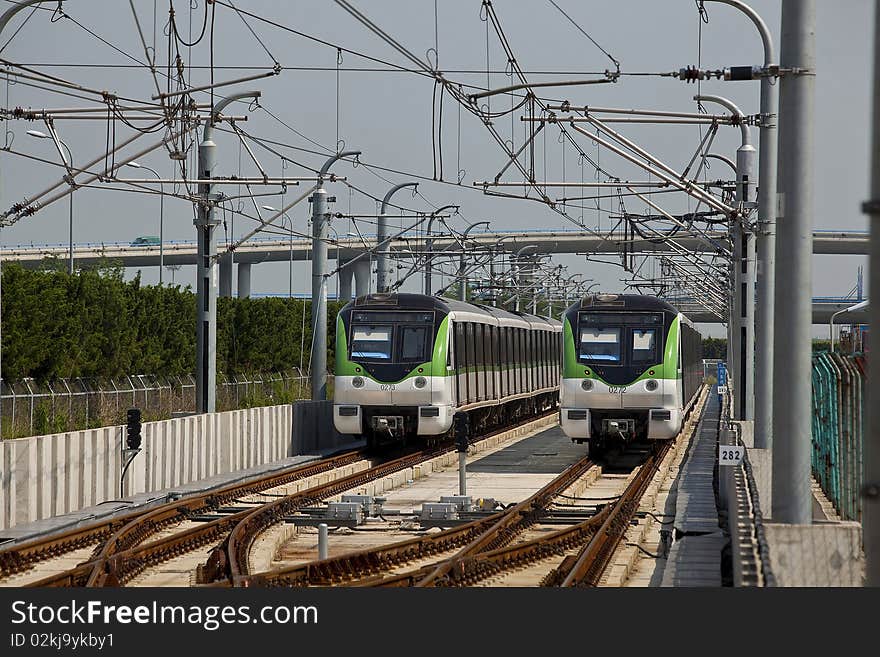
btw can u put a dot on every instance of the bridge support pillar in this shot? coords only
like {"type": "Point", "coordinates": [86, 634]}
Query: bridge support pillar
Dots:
{"type": "Point", "coordinates": [226, 275]}
{"type": "Point", "coordinates": [344, 274]}
{"type": "Point", "coordinates": [362, 275]}
{"type": "Point", "coordinates": [244, 280]}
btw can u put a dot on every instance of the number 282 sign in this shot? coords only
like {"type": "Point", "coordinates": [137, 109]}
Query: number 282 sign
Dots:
{"type": "Point", "coordinates": [730, 454]}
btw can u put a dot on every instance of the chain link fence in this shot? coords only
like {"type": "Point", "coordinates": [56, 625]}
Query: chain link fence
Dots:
{"type": "Point", "coordinates": [31, 408]}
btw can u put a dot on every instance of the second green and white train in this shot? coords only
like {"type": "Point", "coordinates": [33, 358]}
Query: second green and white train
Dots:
{"type": "Point", "coordinates": [631, 369]}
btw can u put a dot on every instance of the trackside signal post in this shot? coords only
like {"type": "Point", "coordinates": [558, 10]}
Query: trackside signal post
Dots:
{"type": "Point", "coordinates": [132, 443]}
{"type": "Point", "coordinates": [461, 429]}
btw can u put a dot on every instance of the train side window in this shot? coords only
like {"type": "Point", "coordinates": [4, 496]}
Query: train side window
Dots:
{"type": "Point", "coordinates": [459, 343]}
{"type": "Point", "coordinates": [450, 346]}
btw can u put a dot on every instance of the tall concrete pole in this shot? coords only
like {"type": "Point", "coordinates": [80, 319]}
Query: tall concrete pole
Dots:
{"type": "Point", "coordinates": [383, 266]}
{"type": "Point", "coordinates": [462, 278]}
{"type": "Point", "coordinates": [320, 216]}
{"type": "Point", "coordinates": [206, 266]}
{"type": "Point", "coordinates": [429, 247]}
{"type": "Point", "coordinates": [4, 21]}
{"type": "Point", "coordinates": [792, 501]}
{"type": "Point", "coordinates": [871, 488]}
{"type": "Point", "coordinates": [766, 237]}
{"type": "Point", "coordinates": [518, 280]}
{"type": "Point", "coordinates": [744, 269]}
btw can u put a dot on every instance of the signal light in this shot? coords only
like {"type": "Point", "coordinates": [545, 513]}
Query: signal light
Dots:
{"type": "Point", "coordinates": [133, 428]}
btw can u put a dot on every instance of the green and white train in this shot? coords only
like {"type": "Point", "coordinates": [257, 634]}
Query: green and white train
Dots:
{"type": "Point", "coordinates": [632, 366]}
{"type": "Point", "coordinates": [407, 363]}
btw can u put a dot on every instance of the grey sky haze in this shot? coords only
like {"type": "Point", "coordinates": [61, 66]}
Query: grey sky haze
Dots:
{"type": "Point", "coordinates": [387, 115]}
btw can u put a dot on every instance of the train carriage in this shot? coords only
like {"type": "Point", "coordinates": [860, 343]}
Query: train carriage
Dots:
{"type": "Point", "coordinates": [407, 363]}
{"type": "Point", "coordinates": [632, 366]}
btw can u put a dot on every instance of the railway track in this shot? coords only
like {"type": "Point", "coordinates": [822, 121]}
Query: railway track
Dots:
{"type": "Point", "coordinates": [517, 546]}
{"type": "Point", "coordinates": [229, 562]}
{"type": "Point", "coordinates": [69, 555]}
{"type": "Point", "coordinates": [117, 552]}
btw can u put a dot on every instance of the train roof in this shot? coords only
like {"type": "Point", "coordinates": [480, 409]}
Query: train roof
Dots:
{"type": "Point", "coordinates": [616, 302]}
{"type": "Point", "coordinates": [410, 301]}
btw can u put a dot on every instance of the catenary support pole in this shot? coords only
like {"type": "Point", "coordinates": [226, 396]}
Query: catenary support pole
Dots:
{"type": "Point", "coordinates": [765, 237]}
{"type": "Point", "coordinates": [743, 315]}
{"type": "Point", "coordinates": [320, 217]}
{"type": "Point", "coordinates": [429, 248]}
{"type": "Point", "coordinates": [462, 269]}
{"type": "Point", "coordinates": [383, 262]}
{"type": "Point", "coordinates": [792, 501]}
{"type": "Point", "coordinates": [4, 21]}
{"type": "Point", "coordinates": [871, 489]}
{"type": "Point", "coordinates": [206, 265]}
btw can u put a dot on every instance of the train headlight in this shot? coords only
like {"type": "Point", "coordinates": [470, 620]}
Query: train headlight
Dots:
{"type": "Point", "coordinates": [358, 382]}
{"type": "Point", "coordinates": [587, 385]}
{"type": "Point", "coordinates": [420, 382]}
{"type": "Point", "coordinates": [651, 385]}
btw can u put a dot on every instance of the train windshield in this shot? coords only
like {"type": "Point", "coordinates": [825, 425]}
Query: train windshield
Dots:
{"type": "Point", "coordinates": [600, 344]}
{"type": "Point", "coordinates": [631, 339]}
{"type": "Point", "coordinates": [644, 346]}
{"type": "Point", "coordinates": [392, 337]}
{"type": "Point", "coordinates": [373, 342]}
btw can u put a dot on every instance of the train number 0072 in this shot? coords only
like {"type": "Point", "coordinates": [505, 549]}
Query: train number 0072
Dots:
{"type": "Point", "coordinates": [615, 390]}
{"type": "Point", "coordinates": [388, 386]}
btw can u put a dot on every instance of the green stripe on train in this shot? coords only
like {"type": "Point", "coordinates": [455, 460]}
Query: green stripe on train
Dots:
{"type": "Point", "coordinates": [668, 369]}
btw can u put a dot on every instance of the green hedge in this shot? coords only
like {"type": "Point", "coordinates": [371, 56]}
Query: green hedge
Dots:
{"type": "Point", "coordinates": [94, 323]}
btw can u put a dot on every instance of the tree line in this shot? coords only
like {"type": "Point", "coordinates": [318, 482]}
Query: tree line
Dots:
{"type": "Point", "coordinates": [96, 324]}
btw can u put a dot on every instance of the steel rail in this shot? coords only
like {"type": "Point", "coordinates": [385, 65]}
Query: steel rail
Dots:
{"type": "Point", "coordinates": [120, 530]}
{"type": "Point", "coordinates": [476, 536]}
{"type": "Point", "coordinates": [232, 558]}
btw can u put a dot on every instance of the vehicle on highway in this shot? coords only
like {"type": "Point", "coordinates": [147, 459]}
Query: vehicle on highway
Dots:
{"type": "Point", "coordinates": [145, 240]}
{"type": "Point", "coordinates": [406, 364]}
{"type": "Point", "coordinates": [631, 368]}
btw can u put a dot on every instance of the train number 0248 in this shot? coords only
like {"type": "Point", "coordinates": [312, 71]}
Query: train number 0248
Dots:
{"type": "Point", "coordinates": [614, 390]}
{"type": "Point", "coordinates": [388, 386]}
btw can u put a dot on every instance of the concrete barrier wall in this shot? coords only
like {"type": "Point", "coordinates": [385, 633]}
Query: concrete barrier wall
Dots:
{"type": "Point", "coordinates": [45, 476]}
{"type": "Point", "coordinates": [313, 428]}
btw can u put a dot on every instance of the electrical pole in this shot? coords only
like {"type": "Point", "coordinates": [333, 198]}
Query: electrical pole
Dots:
{"type": "Point", "coordinates": [320, 216]}
{"type": "Point", "coordinates": [792, 368]}
{"type": "Point", "coordinates": [383, 269]}
{"type": "Point", "coordinates": [429, 247]}
{"type": "Point", "coordinates": [742, 315]}
{"type": "Point", "coordinates": [462, 277]}
{"type": "Point", "coordinates": [765, 235]}
{"type": "Point", "coordinates": [871, 488]}
{"type": "Point", "coordinates": [518, 279]}
{"type": "Point", "coordinates": [206, 265]}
